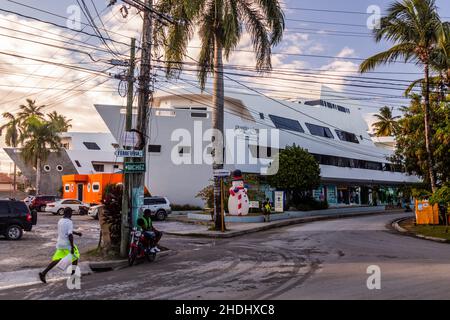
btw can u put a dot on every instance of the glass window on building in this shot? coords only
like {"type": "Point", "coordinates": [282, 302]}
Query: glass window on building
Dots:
{"type": "Point", "coordinates": [331, 194]}
{"type": "Point", "coordinates": [343, 195]}
{"type": "Point", "coordinates": [355, 195]}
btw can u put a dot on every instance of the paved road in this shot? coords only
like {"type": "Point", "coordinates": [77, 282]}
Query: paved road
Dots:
{"type": "Point", "coordinates": [37, 247]}
{"type": "Point", "coordinates": [321, 260]}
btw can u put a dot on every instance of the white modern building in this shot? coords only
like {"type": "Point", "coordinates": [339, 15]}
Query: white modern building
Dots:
{"type": "Point", "coordinates": [179, 147]}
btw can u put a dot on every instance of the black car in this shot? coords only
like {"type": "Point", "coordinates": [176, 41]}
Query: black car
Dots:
{"type": "Point", "coordinates": [15, 217]}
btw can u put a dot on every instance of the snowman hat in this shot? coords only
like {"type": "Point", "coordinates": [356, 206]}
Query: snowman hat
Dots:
{"type": "Point", "coordinates": [237, 175]}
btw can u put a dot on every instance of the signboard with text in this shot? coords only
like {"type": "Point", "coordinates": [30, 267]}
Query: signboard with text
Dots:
{"type": "Point", "coordinates": [134, 167]}
{"type": "Point", "coordinates": [279, 201]}
{"type": "Point", "coordinates": [129, 153]}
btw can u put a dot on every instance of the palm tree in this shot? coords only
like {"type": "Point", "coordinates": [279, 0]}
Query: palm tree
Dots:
{"type": "Point", "coordinates": [439, 64]}
{"type": "Point", "coordinates": [413, 26]}
{"type": "Point", "coordinates": [59, 122]}
{"type": "Point", "coordinates": [220, 27]}
{"type": "Point", "coordinates": [12, 136]}
{"type": "Point", "coordinates": [387, 124]}
{"type": "Point", "coordinates": [30, 110]}
{"type": "Point", "coordinates": [39, 139]}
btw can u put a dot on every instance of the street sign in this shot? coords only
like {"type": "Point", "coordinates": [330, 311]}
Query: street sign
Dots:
{"type": "Point", "coordinates": [254, 204]}
{"type": "Point", "coordinates": [279, 201]}
{"type": "Point", "coordinates": [221, 173]}
{"type": "Point", "coordinates": [134, 167]}
{"type": "Point", "coordinates": [129, 153]}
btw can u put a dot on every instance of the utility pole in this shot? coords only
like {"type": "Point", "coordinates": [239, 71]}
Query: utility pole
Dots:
{"type": "Point", "coordinates": [145, 95]}
{"type": "Point", "coordinates": [126, 199]}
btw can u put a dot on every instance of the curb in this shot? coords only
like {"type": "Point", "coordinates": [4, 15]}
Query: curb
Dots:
{"type": "Point", "coordinates": [398, 228]}
{"type": "Point", "coordinates": [279, 224]}
{"type": "Point", "coordinates": [103, 266]}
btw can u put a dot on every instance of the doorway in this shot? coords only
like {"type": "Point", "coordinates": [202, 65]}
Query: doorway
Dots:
{"type": "Point", "coordinates": [80, 187]}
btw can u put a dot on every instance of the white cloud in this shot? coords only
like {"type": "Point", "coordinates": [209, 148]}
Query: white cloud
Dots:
{"type": "Point", "coordinates": [346, 52]}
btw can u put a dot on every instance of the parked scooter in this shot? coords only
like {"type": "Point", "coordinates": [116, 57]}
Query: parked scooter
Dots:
{"type": "Point", "coordinates": [139, 247]}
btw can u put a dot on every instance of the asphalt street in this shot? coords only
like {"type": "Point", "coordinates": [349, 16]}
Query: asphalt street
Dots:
{"type": "Point", "coordinates": [320, 260]}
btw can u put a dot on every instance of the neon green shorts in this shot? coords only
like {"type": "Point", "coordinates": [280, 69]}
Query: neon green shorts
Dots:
{"type": "Point", "coordinates": [62, 253]}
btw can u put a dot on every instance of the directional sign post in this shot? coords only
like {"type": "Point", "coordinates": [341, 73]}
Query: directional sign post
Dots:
{"type": "Point", "coordinates": [221, 173]}
{"type": "Point", "coordinates": [129, 153]}
{"type": "Point", "coordinates": [134, 167]}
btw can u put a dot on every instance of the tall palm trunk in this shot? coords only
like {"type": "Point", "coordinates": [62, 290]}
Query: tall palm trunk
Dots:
{"type": "Point", "coordinates": [38, 174]}
{"type": "Point", "coordinates": [426, 108]}
{"type": "Point", "coordinates": [15, 171]}
{"type": "Point", "coordinates": [15, 179]}
{"type": "Point", "coordinates": [217, 125]}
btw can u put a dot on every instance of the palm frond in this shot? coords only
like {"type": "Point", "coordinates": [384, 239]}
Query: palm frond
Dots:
{"type": "Point", "coordinates": [402, 50]}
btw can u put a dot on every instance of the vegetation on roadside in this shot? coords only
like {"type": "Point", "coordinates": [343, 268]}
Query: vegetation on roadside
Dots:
{"type": "Point", "coordinates": [297, 175]}
{"type": "Point", "coordinates": [112, 200]}
{"type": "Point", "coordinates": [184, 207]}
{"type": "Point", "coordinates": [436, 231]}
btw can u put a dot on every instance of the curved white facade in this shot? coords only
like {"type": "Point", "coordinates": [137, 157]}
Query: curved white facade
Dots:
{"type": "Point", "coordinates": [358, 163]}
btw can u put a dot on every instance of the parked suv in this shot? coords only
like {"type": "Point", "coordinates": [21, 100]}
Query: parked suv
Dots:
{"type": "Point", "coordinates": [159, 207]}
{"type": "Point", "coordinates": [39, 202]}
{"type": "Point", "coordinates": [15, 217]}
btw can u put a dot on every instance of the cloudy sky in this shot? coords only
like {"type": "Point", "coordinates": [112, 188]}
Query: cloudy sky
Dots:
{"type": "Point", "coordinates": [67, 70]}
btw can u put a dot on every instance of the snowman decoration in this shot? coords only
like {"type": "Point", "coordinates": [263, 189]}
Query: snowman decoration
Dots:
{"type": "Point", "coordinates": [238, 203]}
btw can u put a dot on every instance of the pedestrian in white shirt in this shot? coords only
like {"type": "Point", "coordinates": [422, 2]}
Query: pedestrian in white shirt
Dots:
{"type": "Point", "coordinates": [64, 245]}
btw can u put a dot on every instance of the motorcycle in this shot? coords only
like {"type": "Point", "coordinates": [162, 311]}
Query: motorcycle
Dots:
{"type": "Point", "coordinates": [139, 248]}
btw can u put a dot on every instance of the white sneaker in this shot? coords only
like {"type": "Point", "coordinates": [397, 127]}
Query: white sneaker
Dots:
{"type": "Point", "coordinates": [157, 249]}
{"type": "Point", "coordinates": [152, 250]}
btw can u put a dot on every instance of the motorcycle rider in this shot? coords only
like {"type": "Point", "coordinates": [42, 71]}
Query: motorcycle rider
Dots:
{"type": "Point", "coordinates": [150, 233]}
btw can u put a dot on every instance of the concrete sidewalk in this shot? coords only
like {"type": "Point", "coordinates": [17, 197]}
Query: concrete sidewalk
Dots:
{"type": "Point", "coordinates": [238, 229]}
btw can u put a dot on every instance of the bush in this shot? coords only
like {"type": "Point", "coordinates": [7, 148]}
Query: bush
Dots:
{"type": "Point", "coordinates": [184, 207]}
{"type": "Point", "coordinates": [112, 199]}
{"type": "Point", "coordinates": [309, 203]}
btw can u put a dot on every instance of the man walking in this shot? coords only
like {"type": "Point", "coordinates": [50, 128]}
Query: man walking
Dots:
{"type": "Point", "coordinates": [64, 245]}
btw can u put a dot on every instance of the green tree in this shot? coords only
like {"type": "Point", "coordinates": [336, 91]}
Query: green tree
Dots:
{"type": "Point", "coordinates": [298, 173]}
{"type": "Point", "coordinates": [439, 64]}
{"type": "Point", "coordinates": [220, 26]}
{"type": "Point", "coordinates": [59, 122]}
{"type": "Point", "coordinates": [414, 28]}
{"type": "Point", "coordinates": [12, 136]}
{"type": "Point", "coordinates": [387, 124]}
{"type": "Point", "coordinates": [30, 109]}
{"type": "Point", "coordinates": [411, 150]}
{"type": "Point", "coordinates": [38, 140]}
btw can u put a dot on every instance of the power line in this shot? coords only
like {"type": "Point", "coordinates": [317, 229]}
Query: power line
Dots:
{"type": "Point", "coordinates": [65, 18]}
{"type": "Point", "coordinates": [295, 71]}
{"type": "Point", "coordinates": [91, 21]}
{"type": "Point", "coordinates": [256, 74]}
{"type": "Point", "coordinates": [56, 64]}
{"type": "Point", "coordinates": [304, 55]}
{"type": "Point", "coordinates": [334, 11]}
{"type": "Point", "coordinates": [59, 26]}
{"type": "Point", "coordinates": [83, 45]}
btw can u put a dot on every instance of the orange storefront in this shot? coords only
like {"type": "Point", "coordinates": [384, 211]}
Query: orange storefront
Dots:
{"type": "Point", "coordinates": [88, 187]}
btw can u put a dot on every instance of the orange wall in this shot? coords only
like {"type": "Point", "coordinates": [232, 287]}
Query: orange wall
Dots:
{"type": "Point", "coordinates": [426, 213]}
{"type": "Point", "coordinates": [71, 182]}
